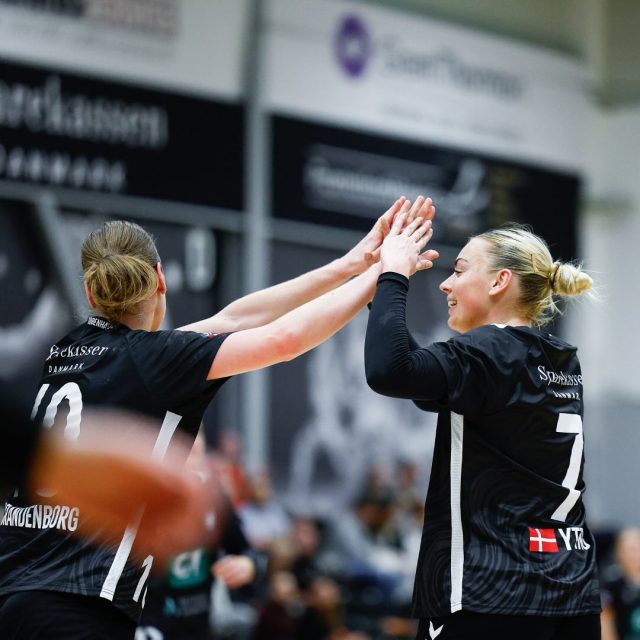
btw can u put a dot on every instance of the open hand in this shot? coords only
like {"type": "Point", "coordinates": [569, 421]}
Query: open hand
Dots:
{"type": "Point", "coordinates": [367, 251]}
{"type": "Point", "coordinates": [422, 207]}
{"type": "Point", "coordinates": [401, 249]}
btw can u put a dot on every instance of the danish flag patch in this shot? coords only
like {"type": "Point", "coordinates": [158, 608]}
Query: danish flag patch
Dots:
{"type": "Point", "coordinates": [543, 540]}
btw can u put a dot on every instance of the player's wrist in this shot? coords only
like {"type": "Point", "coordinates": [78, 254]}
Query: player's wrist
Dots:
{"type": "Point", "coordinates": [347, 266]}
{"type": "Point", "coordinates": [393, 266]}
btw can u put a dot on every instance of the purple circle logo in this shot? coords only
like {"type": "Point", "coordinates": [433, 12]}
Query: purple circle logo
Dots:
{"type": "Point", "coordinates": [353, 46]}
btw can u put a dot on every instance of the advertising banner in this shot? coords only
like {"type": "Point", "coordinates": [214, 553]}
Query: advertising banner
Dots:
{"type": "Point", "coordinates": [65, 131]}
{"type": "Point", "coordinates": [408, 76]}
{"type": "Point", "coordinates": [192, 47]}
{"type": "Point", "coordinates": [343, 178]}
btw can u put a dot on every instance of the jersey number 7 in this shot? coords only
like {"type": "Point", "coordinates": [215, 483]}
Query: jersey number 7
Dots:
{"type": "Point", "coordinates": [570, 423]}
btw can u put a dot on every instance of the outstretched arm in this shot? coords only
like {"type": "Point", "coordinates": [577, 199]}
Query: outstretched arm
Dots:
{"type": "Point", "coordinates": [264, 306]}
{"type": "Point", "coordinates": [303, 328]}
{"type": "Point", "coordinates": [295, 332]}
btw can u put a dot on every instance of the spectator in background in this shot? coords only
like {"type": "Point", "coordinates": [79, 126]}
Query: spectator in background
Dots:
{"type": "Point", "coordinates": [621, 589]}
{"type": "Point", "coordinates": [306, 537]}
{"type": "Point", "coordinates": [363, 548]}
{"type": "Point", "coordinates": [178, 602]}
{"type": "Point", "coordinates": [231, 469]}
{"type": "Point", "coordinates": [323, 616]}
{"type": "Point", "coordinates": [263, 516]}
{"type": "Point", "coordinates": [406, 487]}
{"type": "Point", "coordinates": [278, 618]}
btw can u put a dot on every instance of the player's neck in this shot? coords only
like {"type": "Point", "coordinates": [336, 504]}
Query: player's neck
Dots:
{"type": "Point", "coordinates": [137, 322]}
{"type": "Point", "coordinates": [509, 319]}
{"type": "Point", "coordinates": [516, 321]}
{"type": "Point", "coordinates": [143, 317]}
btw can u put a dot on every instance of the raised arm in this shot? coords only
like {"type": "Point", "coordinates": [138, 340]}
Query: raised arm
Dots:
{"type": "Point", "coordinates": [264, 306]}
{"type": "Point", "coordinates": [394, 365]}
{"type": "Point", "coordinates": [307, 326]}
{"type": "Point", "coordinates": [295, 332]}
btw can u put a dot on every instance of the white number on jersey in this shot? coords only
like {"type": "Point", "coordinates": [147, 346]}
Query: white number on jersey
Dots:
{"type": "Point", "coordinates": [70, 392]}
{"type": "Point", "coordinates": [570, 423]}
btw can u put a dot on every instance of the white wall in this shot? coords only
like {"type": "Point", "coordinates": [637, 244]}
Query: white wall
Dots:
{"type": "Point", "coordinates": [606, 329]}
{"type": "Point", "coordinates": [610, 231]}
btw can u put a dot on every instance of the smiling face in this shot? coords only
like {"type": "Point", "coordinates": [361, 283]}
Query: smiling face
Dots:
{"type": "Point", "coordinates": [468, 287]}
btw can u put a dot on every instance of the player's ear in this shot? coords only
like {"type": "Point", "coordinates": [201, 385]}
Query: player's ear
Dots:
{"type": "Point", "coordinates": [501, 281]}
{"type": "Point", "coordinates": [90, 299]}
{"type": "Point", "coordinates": [162, 283]}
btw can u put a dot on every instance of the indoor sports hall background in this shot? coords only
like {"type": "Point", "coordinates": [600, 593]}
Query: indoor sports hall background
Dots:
{"type": "Point", "coordinates": [258, 138]}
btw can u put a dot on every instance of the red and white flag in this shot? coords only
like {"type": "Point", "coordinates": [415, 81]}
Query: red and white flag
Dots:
{"type": "Point", "coordinates": [543, 540]}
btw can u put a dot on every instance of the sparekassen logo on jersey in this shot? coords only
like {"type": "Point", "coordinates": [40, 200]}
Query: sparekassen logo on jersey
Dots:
{"type": "Point", "coordinates": [546, 540]}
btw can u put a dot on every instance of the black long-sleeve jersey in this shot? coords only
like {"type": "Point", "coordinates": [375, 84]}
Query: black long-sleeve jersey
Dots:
{"type": "Point", "coordinates": [505, 529]}
{"type": "Point", "coordinates": [161, 374]}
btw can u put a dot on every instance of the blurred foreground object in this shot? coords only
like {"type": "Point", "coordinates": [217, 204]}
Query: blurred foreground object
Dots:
{"type": "Point", "coordinates": [113, 486]}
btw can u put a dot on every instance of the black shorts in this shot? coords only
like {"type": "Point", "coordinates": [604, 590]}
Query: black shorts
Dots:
{"type": "Point", "coordinates": [50, 615]}
{"type": "Point", "coordinates": [465, 625]}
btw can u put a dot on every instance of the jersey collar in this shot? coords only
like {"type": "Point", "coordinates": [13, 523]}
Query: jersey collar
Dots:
{"type": "Point", "coordinates": [100, 323]}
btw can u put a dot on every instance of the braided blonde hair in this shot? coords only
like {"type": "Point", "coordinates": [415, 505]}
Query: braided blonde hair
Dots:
{"type": "Point", "coordinates": [517, 248]}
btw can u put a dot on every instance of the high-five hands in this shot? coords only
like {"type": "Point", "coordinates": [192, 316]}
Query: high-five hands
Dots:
{"type": "Point", "coordinates": [409, 234]}
{"type": "Point", "coordinates": [367, 251]}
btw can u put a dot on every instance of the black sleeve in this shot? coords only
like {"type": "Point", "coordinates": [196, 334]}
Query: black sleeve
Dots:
{"type": "Point", "coordinates": [19, 437]}
{"type": "Point", "coordinates": [235, 542]}
{"type": "Point", "coordinates": [394, 365]}
{"type": "Point", "coordinates": [233, 539]}
{"type": "Point", "coordinates": [413, 343]}
{"type": "Point", "coordinates": [174, 364]}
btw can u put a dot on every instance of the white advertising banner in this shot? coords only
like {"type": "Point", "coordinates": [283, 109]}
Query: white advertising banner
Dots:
{"type": "Point", "coordinates": [194, 47]}
{"type": "Point", "coordinates": [368, 68]}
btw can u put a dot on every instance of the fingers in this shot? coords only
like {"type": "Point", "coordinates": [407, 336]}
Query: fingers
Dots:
{"type": "Point", "coordinates": [398, 223]}
{"type": "Point", "coordinates": [427, 234]}
{"type": "Point", "coordinates": [422, 208]}
{"type": "Point", "coordinates": [416, 208]}
{"type": "Point", "coordinates": [413, 227]}
{"type": "Point", "coordinates": [425, 260]}
{"type": "Point", "coordinates": [428, 210]}
{"type": "Point", "coordinates": [383, 225]}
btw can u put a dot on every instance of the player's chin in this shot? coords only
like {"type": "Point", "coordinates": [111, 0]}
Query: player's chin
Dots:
{"type": "Point", "coordinates": [455, 325]}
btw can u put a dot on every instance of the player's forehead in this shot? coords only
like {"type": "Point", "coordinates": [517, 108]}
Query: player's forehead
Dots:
{"type": "Point", "coordinates": [476, 251]}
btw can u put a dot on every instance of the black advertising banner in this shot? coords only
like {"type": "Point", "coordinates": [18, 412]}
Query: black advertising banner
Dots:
{"type": "Point", "coordinates": [68, 131]}
{"type": "Point", "coordinates": [343, 178]}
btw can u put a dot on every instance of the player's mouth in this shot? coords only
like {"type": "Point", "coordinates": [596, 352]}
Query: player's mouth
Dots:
{"type": "Point", "coordinates": [452, 303]}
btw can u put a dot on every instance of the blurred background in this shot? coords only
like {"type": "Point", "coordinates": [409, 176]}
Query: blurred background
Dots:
{"type": "Point", "coordinates": [256, 139]}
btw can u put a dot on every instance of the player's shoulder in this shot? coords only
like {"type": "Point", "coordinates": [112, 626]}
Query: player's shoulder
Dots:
{"type": "Point", "coordinates": [170, 340]}
{"type": "Point", "coordinates": [492, 336]}
{"type": "Point", "coordinates": [500, 334]}
{"type": "Point", "coordinates": [163, 338]}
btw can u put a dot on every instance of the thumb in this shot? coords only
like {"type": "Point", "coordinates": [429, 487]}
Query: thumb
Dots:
{"type": "Point", "coordinates": [371, 257]}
